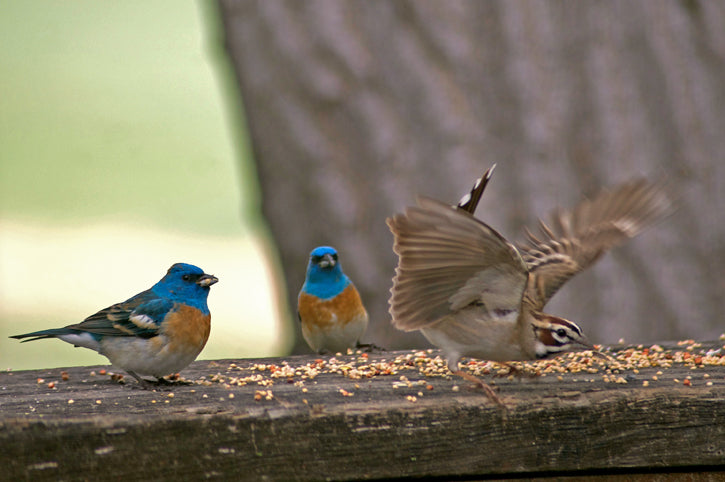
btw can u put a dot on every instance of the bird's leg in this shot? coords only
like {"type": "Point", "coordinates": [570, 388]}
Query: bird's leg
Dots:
{"type": "Point", "coordinates": [144, 384]}
{"type": "Point", "coordinates": [480, 383]}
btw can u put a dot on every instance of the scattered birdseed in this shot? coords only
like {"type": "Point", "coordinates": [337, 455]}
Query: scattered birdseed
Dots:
{"type": "Point", "coordinates": [266, 394]}
{"type": "Point", "coordinates": [417, 368]}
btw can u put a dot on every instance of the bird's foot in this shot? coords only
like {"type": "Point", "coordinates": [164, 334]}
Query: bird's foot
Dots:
{"type": "Point", "coordinates": [143, 384]}
{"type": "Point", "coordinates": [161, 383]}
{"type": "Point", "coordinates": [173, 380]}
{"type": "Point", "coordinates": [368, 347]}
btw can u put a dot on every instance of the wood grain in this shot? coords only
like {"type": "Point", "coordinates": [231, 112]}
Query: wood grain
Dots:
{"type": "Point", "coordinates": [349, 429]}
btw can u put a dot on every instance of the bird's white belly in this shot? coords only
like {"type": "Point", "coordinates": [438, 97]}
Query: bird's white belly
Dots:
{"type": "Point", "coordinates": [495, 346]}
{"type": "Point", "coordinates": [337, 337]}
{"type": "Point", "coordinates": [153, 356]}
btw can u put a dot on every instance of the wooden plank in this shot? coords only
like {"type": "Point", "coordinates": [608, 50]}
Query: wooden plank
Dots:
{"type": "Point", "coordinates": [338, 427]}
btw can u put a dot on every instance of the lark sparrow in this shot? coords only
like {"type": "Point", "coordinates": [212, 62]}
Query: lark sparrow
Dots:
{"type": "Point", "coordinates": [473, 293]}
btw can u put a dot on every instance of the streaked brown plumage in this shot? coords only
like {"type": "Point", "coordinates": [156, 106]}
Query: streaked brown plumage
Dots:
{"type": "Point", "coordinates": [472, 293]}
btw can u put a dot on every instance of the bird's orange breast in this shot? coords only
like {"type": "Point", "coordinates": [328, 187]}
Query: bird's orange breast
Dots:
{"type": "Point", "coordinates": [341, 309]}
{"type": "Point", "coordinates": [187, 328]}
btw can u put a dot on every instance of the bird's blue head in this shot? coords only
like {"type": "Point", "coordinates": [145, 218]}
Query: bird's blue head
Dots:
{"type": "Point", "coordinates": [325, 278]}
{"type": "Point", "coordinates": [186, 283]}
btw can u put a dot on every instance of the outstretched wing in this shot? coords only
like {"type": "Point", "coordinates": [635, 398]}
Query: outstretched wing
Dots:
{"type": "Point", "coordinates": [577, 238]}
{"type": "Point", "coordinates": [448, 260]}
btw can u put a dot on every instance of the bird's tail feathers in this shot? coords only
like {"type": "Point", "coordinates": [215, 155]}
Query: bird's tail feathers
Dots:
{"type": "Point", "coordinates": [40, 335]}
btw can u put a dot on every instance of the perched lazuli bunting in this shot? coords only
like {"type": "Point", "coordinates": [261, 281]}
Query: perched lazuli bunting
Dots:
{"type": "Point", "coordinates": [158, 332]}
{"type": "Point", "coordinates": [329, 307]}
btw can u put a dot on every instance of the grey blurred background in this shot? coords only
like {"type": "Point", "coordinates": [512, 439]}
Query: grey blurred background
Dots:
{"type": "Point", "coordinates": [355, 107]}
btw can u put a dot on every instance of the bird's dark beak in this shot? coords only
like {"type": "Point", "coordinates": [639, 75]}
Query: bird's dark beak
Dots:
{"type": "Point", "coordinates": [584, 343]}
{"type": "Point", "coordinates": [326, 261]}
{"type": "Point", "coordinates": [207, 280]}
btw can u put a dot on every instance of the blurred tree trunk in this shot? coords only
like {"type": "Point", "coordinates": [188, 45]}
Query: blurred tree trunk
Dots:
{"type": "Point", "coordinates": [355, 107]}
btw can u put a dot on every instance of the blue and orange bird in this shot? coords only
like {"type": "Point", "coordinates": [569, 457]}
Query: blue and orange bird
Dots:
{"type": "Point", "coordinates": [156, 333]}
{"type": "Point", "coordinates": [329, 307]}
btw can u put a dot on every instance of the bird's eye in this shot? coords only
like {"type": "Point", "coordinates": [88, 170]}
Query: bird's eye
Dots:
{"type": "Point", "coordinates": [315, 259]}
{"type": "Point", "coordinates": [186, 277]}
{"type": "Point", "coordinates": [561, 332]}
{"type": "Point", "coordinates": [334, 256]}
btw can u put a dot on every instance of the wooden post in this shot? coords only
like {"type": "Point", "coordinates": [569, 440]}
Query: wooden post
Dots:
{"type": "Point", "coordinates": [383, 415]}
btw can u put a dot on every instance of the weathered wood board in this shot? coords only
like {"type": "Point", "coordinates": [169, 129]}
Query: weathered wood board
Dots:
{"type": "Point", "coordinates": [301, 418]}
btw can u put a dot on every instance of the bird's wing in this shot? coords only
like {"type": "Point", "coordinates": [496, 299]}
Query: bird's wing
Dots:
{"type": "Point", "coordinates": [448, 260]}
{"type": "Point", "coordinates": [469, 201]}
{"type": "Point", "coordinates": [576, 239]}
{"type": "Point", "coordinates": [138, 316]}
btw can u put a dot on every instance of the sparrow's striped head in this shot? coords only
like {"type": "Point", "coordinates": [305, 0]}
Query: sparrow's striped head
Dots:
{"type": "Point", "coordinates": [556, 335]}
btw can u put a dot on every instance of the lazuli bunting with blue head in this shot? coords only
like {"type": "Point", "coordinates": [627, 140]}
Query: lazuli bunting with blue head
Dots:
{"type": "Point", "coordinates": [329, 306]}
{"type": "Point", "coordinates": [158, 332]}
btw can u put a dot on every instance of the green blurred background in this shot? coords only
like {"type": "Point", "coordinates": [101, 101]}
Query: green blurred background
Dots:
{"type": "Point", "coordinates": [123, 151]}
